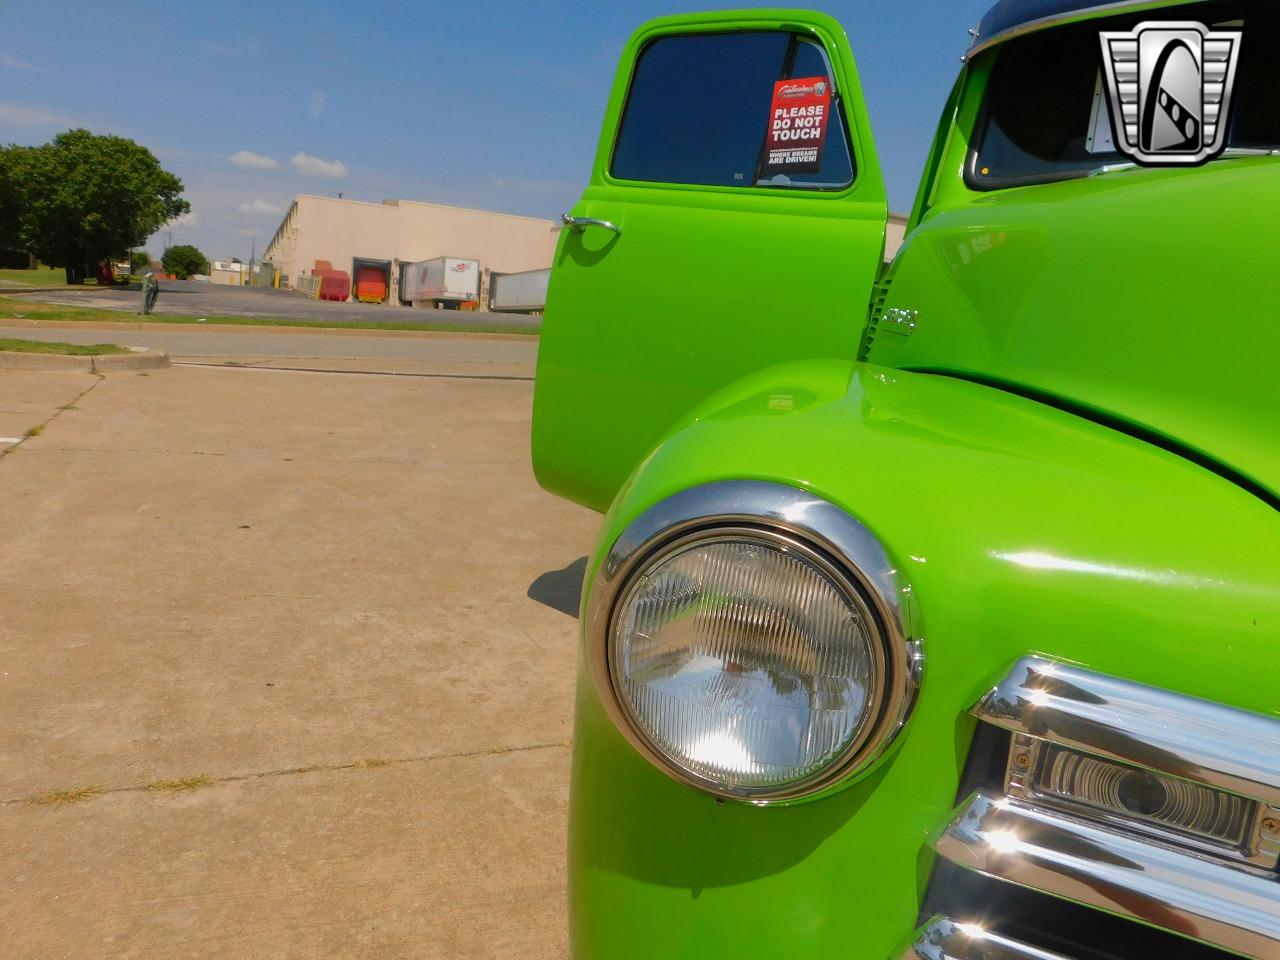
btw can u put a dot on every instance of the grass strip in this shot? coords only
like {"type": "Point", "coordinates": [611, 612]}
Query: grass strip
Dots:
{"type": "Point", "coordinates": [12, 308]}
{"type": "Point", "coordinates": [41, 277]}
{"type": "Point", "coordinates": [69, 349]}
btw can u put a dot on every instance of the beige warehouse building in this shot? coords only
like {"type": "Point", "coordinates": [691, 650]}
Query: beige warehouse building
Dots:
{"type": "Point", "coordinates": [404, 231]}
{"type": "Point", "coordinates": [341, 231]}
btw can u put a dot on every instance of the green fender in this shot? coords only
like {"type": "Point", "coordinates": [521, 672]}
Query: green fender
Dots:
{"type": "Point", "coordinates": [1021, 529]}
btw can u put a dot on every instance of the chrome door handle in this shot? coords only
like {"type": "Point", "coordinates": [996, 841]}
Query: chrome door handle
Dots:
{"type": "Point", "coordinates": [581, 223]}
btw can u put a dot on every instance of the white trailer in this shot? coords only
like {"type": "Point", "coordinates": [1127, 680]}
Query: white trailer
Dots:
{"type": "Point", "coordinates": [442, 281]}
{"type": "Point", "coordinates": [524, 292]}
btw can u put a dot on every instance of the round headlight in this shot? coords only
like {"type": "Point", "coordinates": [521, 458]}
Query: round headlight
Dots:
{"type": "Point", "coordinates": [754, 641]}
{"type": "Point", "coordinates": [747, 660]}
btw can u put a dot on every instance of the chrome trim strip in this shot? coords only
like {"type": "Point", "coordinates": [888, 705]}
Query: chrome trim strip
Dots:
{"type": "Point", "coordinates": [945, 939]}
{"type": "Point", "coordinates": [781, 512]}
{"type": "Point", "coordinates": [1172, 733]}
{"type": "Point", "coordinates": [981, 43]}
{"type": "Point", "coordinates": [1234, 908]}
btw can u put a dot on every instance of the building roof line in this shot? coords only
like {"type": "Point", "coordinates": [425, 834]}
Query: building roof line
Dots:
{"type": "Point", "coordinates": [428, 203]}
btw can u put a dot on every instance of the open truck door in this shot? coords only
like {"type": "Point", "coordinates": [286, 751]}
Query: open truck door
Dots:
{"type": "Point", "coordinates": [735, 219]}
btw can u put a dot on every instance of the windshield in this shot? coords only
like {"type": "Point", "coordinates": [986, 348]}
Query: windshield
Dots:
{"type": "Point", "coordinates": [1046, 114]}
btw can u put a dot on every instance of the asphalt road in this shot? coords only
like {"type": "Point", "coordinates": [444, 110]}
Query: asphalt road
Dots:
{"type": "Point", "coordinates": [208, 299]}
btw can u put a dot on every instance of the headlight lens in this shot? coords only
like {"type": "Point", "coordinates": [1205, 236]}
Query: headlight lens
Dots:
{"type": "Point", "coordinates": [747, 660]}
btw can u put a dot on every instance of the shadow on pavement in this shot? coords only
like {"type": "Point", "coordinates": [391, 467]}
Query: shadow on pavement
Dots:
{"type": "Point", "coordinates": [560, 589]}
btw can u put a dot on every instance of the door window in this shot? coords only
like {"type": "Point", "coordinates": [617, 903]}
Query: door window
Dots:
{"type": "Point", "coordinates": [700, 109]}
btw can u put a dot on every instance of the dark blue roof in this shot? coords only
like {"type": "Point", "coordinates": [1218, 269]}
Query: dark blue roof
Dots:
{"type": "Point", "coordinates": [1009, 15]}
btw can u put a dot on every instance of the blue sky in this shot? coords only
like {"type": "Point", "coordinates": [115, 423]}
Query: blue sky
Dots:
{"type": "Point", "coordinates": [486, 104]}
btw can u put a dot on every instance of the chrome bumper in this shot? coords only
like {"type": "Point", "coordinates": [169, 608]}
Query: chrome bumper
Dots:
{"type": "Point", "coordinates": [944, 939]}
{"type": "Point", "coordinates": [1221, 902]}
{"type": "Point", "coordinates": [1215, 903]}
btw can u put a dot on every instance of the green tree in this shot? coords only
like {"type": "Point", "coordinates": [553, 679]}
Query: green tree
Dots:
{"type": "Point", "coordinates": [11, 203]}
{"type": "Point", "coordinates": [184, 260]}
{"type": "Point", "coordinates": [139, 260]}
{"type": "Point", "coordinates": [85, 198]}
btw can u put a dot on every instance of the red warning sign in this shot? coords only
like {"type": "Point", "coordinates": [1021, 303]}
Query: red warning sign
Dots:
{"type": "Point", "coordinates": [797, 126]}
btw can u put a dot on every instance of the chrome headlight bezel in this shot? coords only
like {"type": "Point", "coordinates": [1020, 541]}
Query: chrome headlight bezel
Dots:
{"type": "Point", "coordinates": [825, 536]}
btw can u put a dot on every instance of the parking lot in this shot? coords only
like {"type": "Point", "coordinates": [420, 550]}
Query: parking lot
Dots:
{"type": "Point", "coordinates": [287, 665]}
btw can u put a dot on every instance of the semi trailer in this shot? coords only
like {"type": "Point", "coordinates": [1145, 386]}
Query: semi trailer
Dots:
{"type": "Point", "coordinates": [524, 292]}
{"type": "Point", "coordinates": [441, 282]}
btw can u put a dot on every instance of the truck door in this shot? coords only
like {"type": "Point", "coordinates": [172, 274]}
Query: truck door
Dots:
{"type": "Point", "coordinates": [734, 219]}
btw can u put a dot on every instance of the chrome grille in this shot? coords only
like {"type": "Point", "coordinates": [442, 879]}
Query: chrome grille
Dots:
{"type": "Point", "coordinates": [1179, 886]}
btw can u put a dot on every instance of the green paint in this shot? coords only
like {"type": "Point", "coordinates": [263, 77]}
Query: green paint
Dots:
{"type": "Point", "coordinates": [1142, 298]}
{"type": "Point", "coordinates": [1142, 294]}
{"type": "Point", "coordinates": [688, 298]}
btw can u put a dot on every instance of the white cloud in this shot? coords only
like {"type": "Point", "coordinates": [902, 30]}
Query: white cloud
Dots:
{"type": "Point", "coordinates": [310, 166]}
{"type": "Point", "coordinates": [318, 100]}
{"type": "Point", "coordinates": [188, 219]}
{"type": "Point", "coordinates": [260, 207]}
{"type": "Point", "coordinates": [17, 115]}
{"type": "Point", "coordinates": [14, 63]}
{"type": "Point", "coordinates": [246, 158]}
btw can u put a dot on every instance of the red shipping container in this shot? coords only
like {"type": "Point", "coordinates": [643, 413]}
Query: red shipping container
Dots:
{"type": "Point", "coordinates": [334, 284]}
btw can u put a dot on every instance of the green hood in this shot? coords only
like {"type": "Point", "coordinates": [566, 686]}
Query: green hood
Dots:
{"type": "Point", "coordinates": [1146, 298]}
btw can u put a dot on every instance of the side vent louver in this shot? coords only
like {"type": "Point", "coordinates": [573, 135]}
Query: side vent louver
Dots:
{"type": "Point", "coordinates": [879, 293]}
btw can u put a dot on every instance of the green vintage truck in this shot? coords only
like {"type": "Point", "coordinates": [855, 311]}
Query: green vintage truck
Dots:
{"type": "Point", "coordinates": [936, 611]}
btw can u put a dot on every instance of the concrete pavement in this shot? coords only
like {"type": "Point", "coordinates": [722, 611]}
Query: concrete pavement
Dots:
{"type": "Point", "coordinates": [403, 351]}
{"type": "Point", "coordinates": [30, 399]}
{"type": "Point", "coordinates": [313, 590]}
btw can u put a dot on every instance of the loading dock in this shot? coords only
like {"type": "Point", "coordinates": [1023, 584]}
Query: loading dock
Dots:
{"type": "Point", "coordinates": [370, 280]}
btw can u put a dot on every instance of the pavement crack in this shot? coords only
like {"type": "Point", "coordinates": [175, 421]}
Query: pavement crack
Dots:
{"type": "Point", "coordinates": [360, 764]}
{"type": "Point", "coordinates": [39, 427]}
{"type": "Point", "coordinates": [360, 373]}
{"type": "Point", "coordinates": [180, 453]}
{"type": "Point", "coordinates": [356, 461]}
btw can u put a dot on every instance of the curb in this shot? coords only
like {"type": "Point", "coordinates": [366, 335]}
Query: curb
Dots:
{"type": "Point", "coordinates": [45, 361]}
{"type": "Point", "coordinates": [140, 360]}
{"type": "Point", "coordinates": [137, 358]}
{"type": "Point", "coordinates": [246, 329]}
